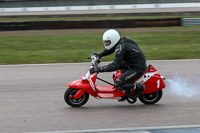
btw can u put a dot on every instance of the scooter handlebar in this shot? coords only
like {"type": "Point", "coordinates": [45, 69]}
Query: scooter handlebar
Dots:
{"type": "Point", "coordinates": [95, 59]}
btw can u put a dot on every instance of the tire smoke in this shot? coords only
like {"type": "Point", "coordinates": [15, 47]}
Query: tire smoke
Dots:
{"type": "Point", "coordinates": [179, 87]}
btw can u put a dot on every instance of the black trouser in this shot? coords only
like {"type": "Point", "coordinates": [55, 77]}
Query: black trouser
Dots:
{"type": "Point", "coordinates": [128, 77]}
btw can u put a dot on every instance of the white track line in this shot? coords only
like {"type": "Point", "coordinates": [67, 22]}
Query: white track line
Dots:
{"type": "Point", "coordinates": [139, 129]}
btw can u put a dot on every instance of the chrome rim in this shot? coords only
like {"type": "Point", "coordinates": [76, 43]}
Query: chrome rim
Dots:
{"type": "Point", "coordinates": [150, 97]}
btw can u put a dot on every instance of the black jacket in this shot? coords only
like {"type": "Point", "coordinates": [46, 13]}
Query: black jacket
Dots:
{"type": "Point", "coordinates": [128, 55]}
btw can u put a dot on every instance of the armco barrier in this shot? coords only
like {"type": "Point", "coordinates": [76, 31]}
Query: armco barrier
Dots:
{"type": "Point", "coordinates": [42, 25]}
{"type": "Point", "coordinates": [96, 7]}
{"type": "Point", "coordinates": [190, 21]}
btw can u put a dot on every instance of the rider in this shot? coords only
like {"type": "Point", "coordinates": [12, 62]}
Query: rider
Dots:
{"type": "Point", "coordinates": [129, 58]}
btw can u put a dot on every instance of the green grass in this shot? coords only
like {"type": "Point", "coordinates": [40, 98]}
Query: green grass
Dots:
{"type": "Point", "coordinates": [77, 47]}
{"type": "Point", "coordinates": [50, 18]}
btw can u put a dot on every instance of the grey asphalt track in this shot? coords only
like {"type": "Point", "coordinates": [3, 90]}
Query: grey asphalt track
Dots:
{"type": "Point", "coordinates": [31, 100]}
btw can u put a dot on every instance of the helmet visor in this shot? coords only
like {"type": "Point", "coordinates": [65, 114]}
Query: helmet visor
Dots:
{"type": "Point", "coordinates": [107, 43]}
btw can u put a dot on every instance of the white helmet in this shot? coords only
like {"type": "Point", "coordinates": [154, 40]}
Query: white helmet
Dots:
{"type": "Point", "coordinates": [110, 38]}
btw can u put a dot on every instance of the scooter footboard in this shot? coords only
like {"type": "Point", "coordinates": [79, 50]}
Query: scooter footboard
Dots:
{"type": "Point", "coordinates": [107, 91]}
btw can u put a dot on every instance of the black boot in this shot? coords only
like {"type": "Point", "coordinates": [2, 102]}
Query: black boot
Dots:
{"type": "Point", "coordinates": [120, 88]}
{"type": "Point", "coordinates": [128, 85]}
{"type": "Point", "coordinates": [138, 91]}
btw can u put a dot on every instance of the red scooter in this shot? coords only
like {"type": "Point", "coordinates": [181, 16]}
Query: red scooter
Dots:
{"type": "Point", "coordinates": [78, 92]}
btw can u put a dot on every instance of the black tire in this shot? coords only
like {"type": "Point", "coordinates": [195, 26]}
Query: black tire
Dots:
{"type": "Point", "coordinates": [151, 98]}
{"type": "Point", "coordinates": [75, 102]}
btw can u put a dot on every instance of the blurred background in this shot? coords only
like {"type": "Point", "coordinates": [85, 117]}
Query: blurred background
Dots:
{"type": "Point", "coordinates": [46, 3]}
{"type": "Point", "coordinates": [65, 31]}
{"type": "Point", "coordinates": [54, 31]}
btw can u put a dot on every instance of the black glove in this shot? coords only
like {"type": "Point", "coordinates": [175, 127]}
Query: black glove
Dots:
{"type": "Point", "coordinates": [97, 54]}
{"type": "Point", "coordinates": [94, 53]}
{"type": "Point", "coordinates": [96, 69]}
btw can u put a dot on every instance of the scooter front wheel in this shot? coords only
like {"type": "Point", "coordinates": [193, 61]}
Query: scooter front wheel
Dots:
{"type": "Point", "coordinates": [75, 102]}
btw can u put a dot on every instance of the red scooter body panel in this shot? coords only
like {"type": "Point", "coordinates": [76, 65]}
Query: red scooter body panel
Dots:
{"type": "Point", "coordinates": [83, 85]}
{"type": "Point", "coordinates": [79, 94]}
{"type": "Point", "coordinates": [107, 91]}
{"type": "Point", "coordinates": [155, 83]}
{"type": "Point", "coordinates": [151, 79]}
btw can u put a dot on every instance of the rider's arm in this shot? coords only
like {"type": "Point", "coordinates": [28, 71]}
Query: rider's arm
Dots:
{"type": "Point", "coordinates": [106, 52]}
{"type": "Point", "coordinates": [120, 52]}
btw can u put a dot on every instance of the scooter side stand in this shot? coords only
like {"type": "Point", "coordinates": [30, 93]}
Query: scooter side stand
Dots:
{"type": "Point", "coordinates": [128, 94]}
{"type": "Point", "coordinates": [129, 98]}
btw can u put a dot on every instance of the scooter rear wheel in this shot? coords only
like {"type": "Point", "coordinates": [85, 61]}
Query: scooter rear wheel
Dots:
{"type": "Point", "coordinates": [151, 98]}
{"type": "Point", "coordinates": [78, 102]}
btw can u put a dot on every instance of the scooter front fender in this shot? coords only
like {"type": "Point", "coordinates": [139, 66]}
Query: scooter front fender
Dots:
{"type": "Point", "coordinates": [82, 85]}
